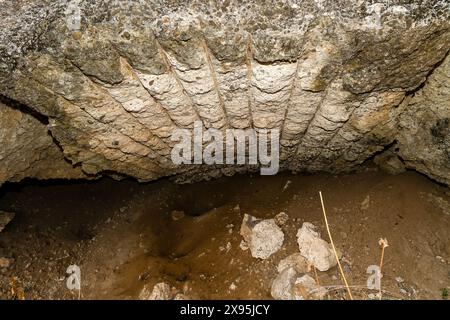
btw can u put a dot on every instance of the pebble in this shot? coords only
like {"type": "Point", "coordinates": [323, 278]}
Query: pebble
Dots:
{"type": "Point", "coordinates": [281, 219]}
{"type": "Point", "coordinates": [4, 262]}
{"type": "Point", "coordinates": [161, 291]}
{"type": "Point", "coordinates": [177, 215]}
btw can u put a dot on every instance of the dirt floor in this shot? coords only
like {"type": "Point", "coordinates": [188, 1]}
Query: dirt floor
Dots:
{"type": "Point", "coordinates": [123, 235]}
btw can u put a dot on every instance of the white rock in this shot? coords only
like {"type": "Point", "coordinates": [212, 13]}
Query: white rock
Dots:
{"type": "Point", "coordinates": [283, 284]}
{"type": "Point", "coordinates": [305, 287]}
{"type": "Point", "coordinates": [161, 291]}
{"type": "Point", "coordinates": [263, 237]}
{"type": "Point", "coordinates": [296, 261]}
{"type": "Point", "coordinates": [266, 239]}
{"type": "Point", "coordinates": [316, 250]}
{"type": "Point", "coordinates": [290, 285]}
{"type": "Point", "coordinates": [399, 279]}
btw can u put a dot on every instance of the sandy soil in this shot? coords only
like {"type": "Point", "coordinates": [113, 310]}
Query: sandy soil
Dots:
{"type": "Point", "coordinates": [123, 236]}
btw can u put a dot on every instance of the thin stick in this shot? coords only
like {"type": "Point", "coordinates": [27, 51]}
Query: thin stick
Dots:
{"type": "Point", "coordinates": [317, 277]}
{"type": "Point", "coordinates": [384, 244]}
{"type": "Point", "coordinates": [381, 265]}
{"type": "Point", "coordinates": [334, 249]}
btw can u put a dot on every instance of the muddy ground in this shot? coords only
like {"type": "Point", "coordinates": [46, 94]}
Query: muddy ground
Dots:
{"type": "Point", "coordinates": [123, 235]}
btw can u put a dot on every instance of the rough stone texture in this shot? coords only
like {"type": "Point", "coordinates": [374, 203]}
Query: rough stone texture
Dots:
{"type": "Point", "coordinates": [424, 127]}
{"type": "Point", "coordinates": [342, 80]}
{"type": "Point", "coordinates": [282, 285]}
{"type": "Point", "coordinates": [247, 225]}
{"type": "Point", "coordinates": [281, 219]}
{"type": "Point", "coordinates": [161, 291]}
{"type": "Point", "coordinates": [262, 237]}
{"type": "Point", "coordinates": [296, 261]}
{"type": "Point", "coordinates": [266, 239]}
{"type": "Point", "coordinates": [290, 284]}
{"type": "Point", "coordinates": [27, 150]}
{"type": "Point", "coordinates": [317, 251]}
{"type": "Point", "coordinates": [305, 287]}
{"type": "Point", "coordinates": [390, 162]}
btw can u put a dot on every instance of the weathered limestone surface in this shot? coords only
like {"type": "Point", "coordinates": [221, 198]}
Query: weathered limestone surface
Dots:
{"type": "Point", "coordinates": [27, 150]}
{"type": "Point", "coordinates": [342, 80]}
{"type": "Point", "coordinates": [424, 127]}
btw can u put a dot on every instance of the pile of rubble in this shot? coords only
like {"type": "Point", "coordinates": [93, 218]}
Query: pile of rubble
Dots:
{"type": "Point", "coordinates": [265, 237]}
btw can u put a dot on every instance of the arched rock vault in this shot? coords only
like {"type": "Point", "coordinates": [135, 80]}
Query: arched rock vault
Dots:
{"type": "Point", "coordinates": [96, 87]}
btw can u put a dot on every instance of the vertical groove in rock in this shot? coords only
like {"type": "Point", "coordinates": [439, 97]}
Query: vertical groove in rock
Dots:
{"type": "Point", "coordinates": [215, 82]}
{"type": "Point", "coordinates": [289, 104]}
{"type": "Point", "coordinates": [178, 81]}
{"type": "Point", "coordinates": [249, 62]}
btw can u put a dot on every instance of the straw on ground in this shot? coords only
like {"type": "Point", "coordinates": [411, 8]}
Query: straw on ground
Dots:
{"type": "Point", "coordinates": [334, 249]}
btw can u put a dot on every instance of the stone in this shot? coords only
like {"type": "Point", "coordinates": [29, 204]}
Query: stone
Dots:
{"type": "Point", "coordinates": [5, 262]}
{"type": "Point", "coordinates": [291, 285]}
{"type": "Point", "coordinates": [267, 238]}
{"type": "Point", "coordinates": [296, 261]}
{"type": "Point", "coordinates": [263, 237]}
{"type": "Point", "coordinates": [181, 296]}
{"type": "Point", "coordinates": [247, 225]}
{"type": "Point", "coordinates": [28, 150]}
{"type": "Point", "coordinates": [281, 219]}
{"type": "Point", "coordinates": [5, 218]}
{"type": "Point", "coordinates": [243, 245]}
{"type": "Point", "coordinates": [423, 126]}
{"type": "Point", "coordinates": [161, 291]}
{"type": "Point", "coordinates": [282, 285]}
{"type": "Point", "coordinates": [306, 288]}
{"type": "Point", "coordinates": [365, 203]}
{"type": "Point", "coordinates": [389, 162]}
{"type": "Point", "coordinates": [317, 251]}
{"type": "Point", "coordinates": [177, 215]}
